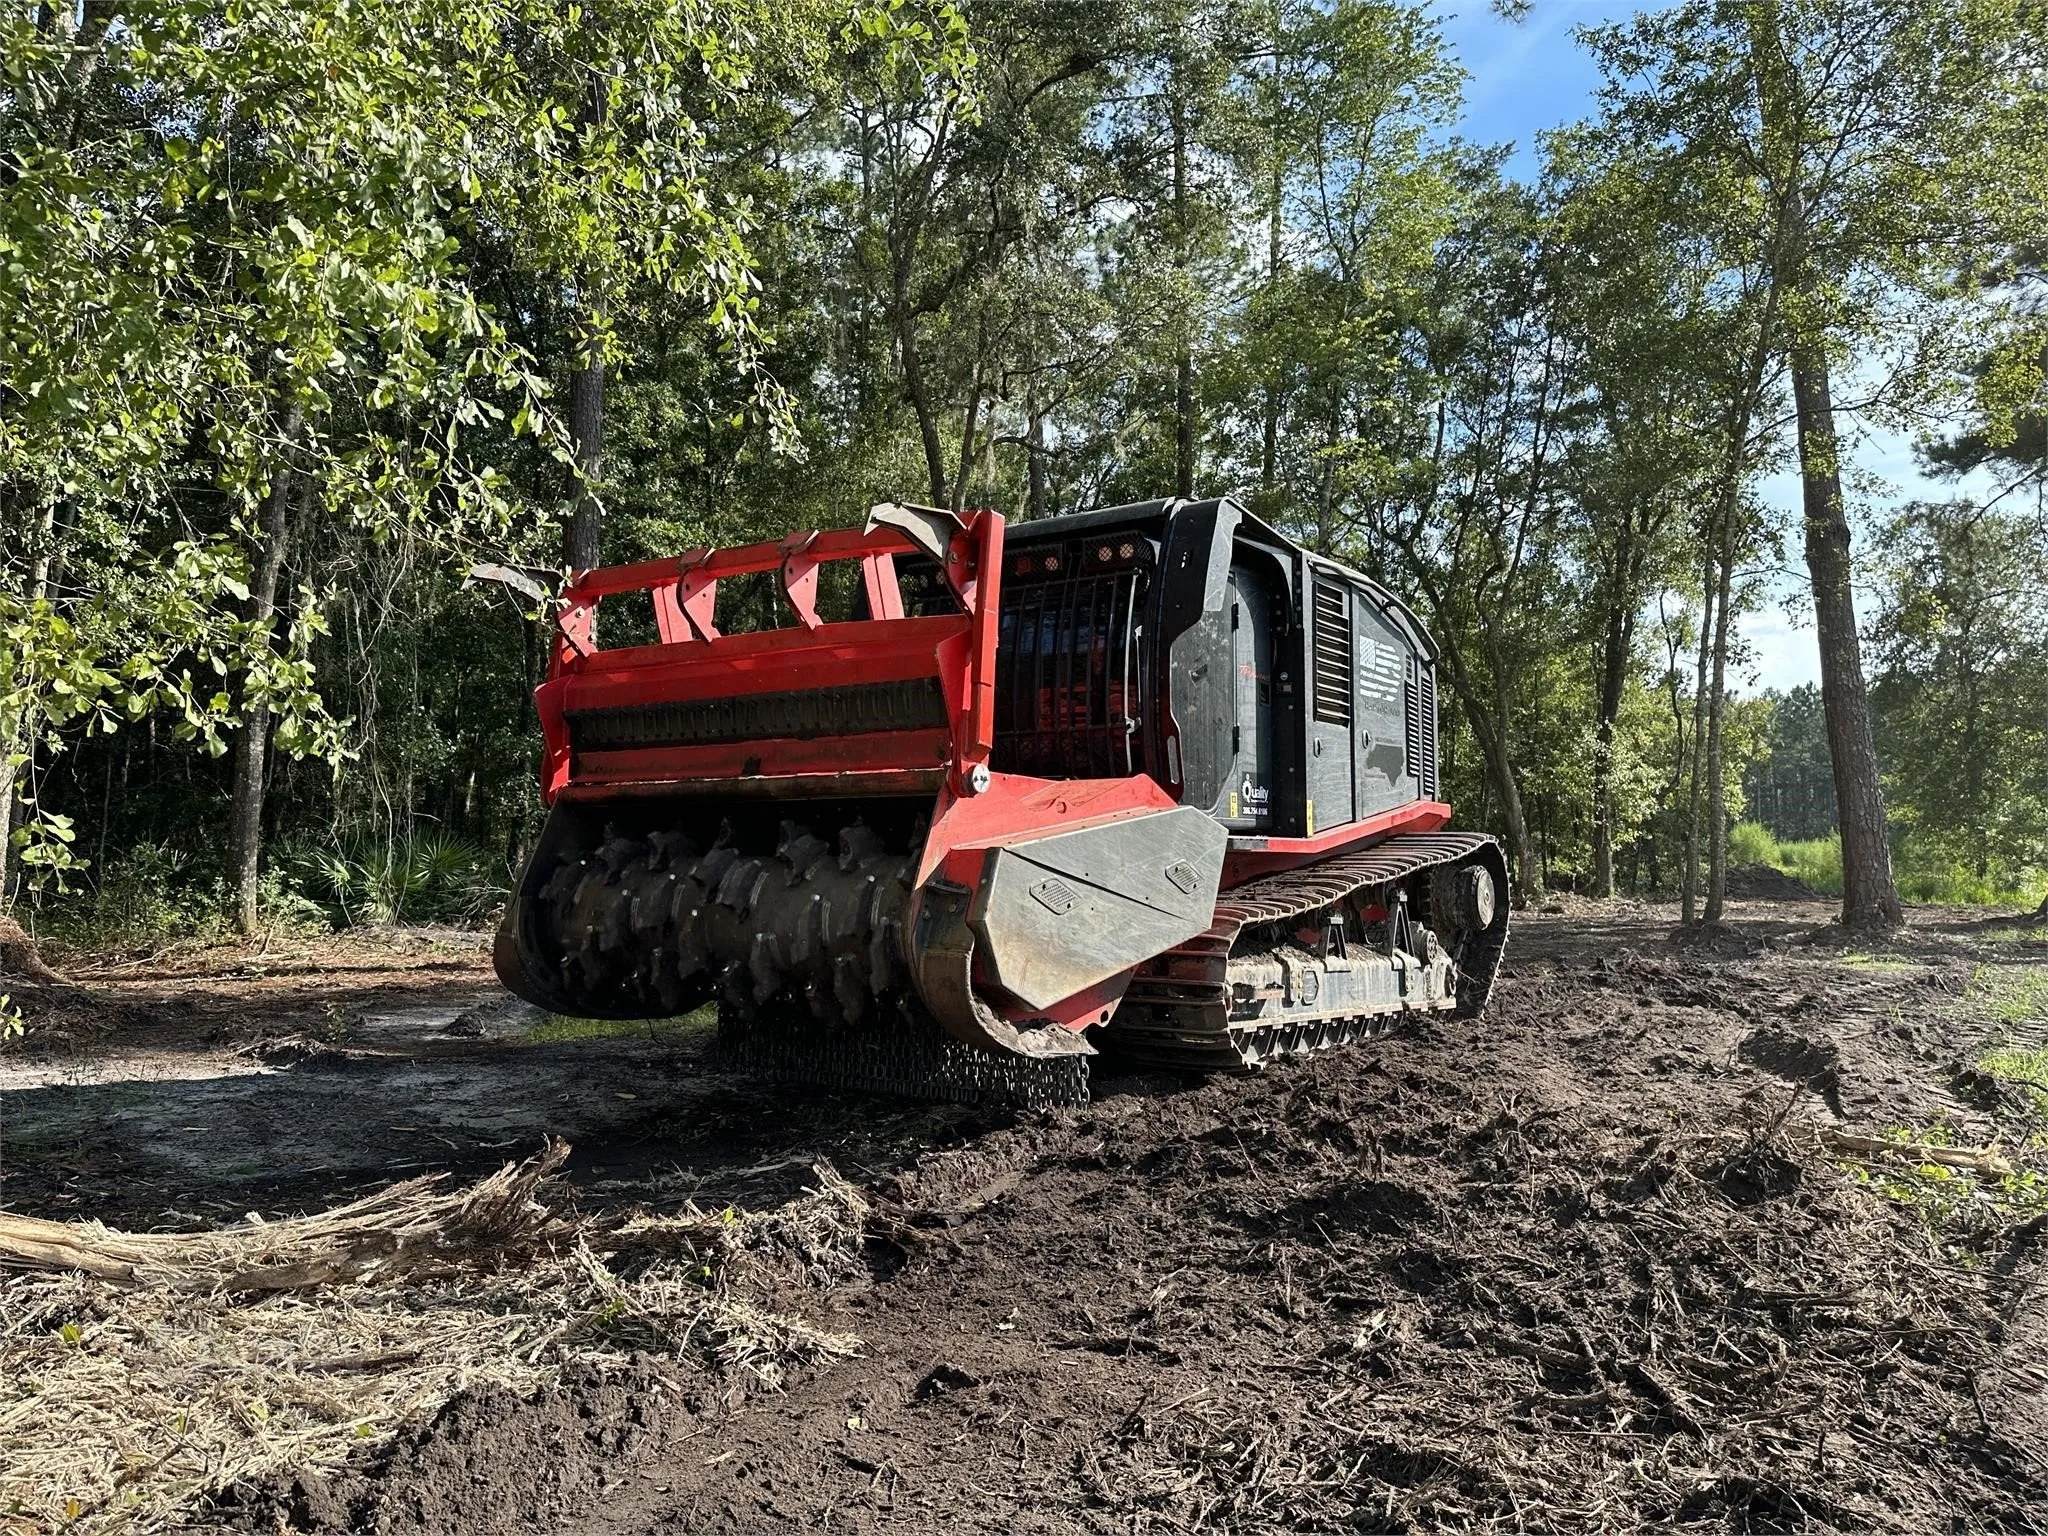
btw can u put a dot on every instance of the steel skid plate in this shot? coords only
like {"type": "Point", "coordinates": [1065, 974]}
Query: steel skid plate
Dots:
{"type": "Point", "coordinates": [1060, 913]}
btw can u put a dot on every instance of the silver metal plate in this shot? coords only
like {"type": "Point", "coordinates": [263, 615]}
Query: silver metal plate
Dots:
{"type": "Point", "coordinates": [1133, 888]}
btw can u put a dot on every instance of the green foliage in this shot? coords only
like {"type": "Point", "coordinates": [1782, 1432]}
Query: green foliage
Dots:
{"type": "Point", "coordinates": [1961, 654]}
{"type": "Point", "coordinates": [2026, 1068]}
{"type": "Point", "coordinates": [1927, 876]}
{"type": "Point", "coordinates": [1750, 843]}
{"type": "Point", "coordinates": [1791, 786]}
{"type": "Point", "coordinates": [336, 265]}
{"type": "Point", "coordinates": [149, 895]}
{"type": "Point", "coordinates": [433, 877]}
{"type": "Point", "coordinates": [2015, 1001]}
{"type": "Point", "coordinates": [152, 635]}
{"type": "Point", "coordinates": [1924, 874]}
{"type": "Point", "coordinates": [266, 262]}
{"type": "Point", "coordinates": [1954, 1201]}
{"type": "Point", "coordinates": [1816, 860]}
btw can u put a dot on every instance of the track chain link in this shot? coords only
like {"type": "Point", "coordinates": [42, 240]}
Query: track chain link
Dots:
{"type": "Point", "coordinates": [1177, 1011]}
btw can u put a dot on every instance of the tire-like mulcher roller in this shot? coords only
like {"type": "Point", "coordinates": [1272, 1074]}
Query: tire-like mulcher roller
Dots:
{"type": "Point", "coordinates": [802, 949]}
{"type": "Point", "coordinates": [653, 925]}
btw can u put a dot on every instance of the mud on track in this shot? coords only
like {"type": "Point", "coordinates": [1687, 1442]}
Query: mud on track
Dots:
{"type": "Point", "coordinates": [1583, 1266]}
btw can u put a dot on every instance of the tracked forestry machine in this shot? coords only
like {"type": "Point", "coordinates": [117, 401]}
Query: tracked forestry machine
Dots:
{"type": "Point", "coordinates": [978, 802]}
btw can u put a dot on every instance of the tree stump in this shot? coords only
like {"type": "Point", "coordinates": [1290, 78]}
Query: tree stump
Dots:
{"type": "Point", "coordinates": [19, 960]}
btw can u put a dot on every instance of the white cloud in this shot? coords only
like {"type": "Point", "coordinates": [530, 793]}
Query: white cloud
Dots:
{"type": "Point", "coordinates": [1784, 653]}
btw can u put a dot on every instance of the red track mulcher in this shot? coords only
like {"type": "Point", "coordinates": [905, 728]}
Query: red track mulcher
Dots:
{"type": "Point", "coordinates": [1152, 779]}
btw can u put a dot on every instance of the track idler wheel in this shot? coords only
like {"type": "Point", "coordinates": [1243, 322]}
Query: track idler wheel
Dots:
{"type": "Point", "coordinates": [1462, 897]}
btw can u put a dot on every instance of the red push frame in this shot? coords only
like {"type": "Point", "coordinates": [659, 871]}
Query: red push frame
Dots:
{"type": "Point", "coordinates": [693, 661]}
{"type": "Point", "coordinates": [1252, 856]}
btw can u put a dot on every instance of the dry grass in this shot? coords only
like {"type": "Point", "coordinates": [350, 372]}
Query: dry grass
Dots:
{"type": "Point", "coordinates": [141, 1372]}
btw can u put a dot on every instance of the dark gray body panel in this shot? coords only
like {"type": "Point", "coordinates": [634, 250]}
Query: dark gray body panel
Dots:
{"type": "Point", "coordinates": [1283, 693]}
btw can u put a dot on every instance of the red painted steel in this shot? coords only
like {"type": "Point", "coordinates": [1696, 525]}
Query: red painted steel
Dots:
{"type": "Point", "coordinates": [693, 662]}
{"type": "Point", "coordinates": [965, 830]}
{"type": "Point", "coordinates": [1250, 857]}
{"type": "Point", "coordinates": [965, 827]}
{"type": "Point", "coordinates": [794, 759]}
{"type": "Point", "coordinates": [1084, 1010]}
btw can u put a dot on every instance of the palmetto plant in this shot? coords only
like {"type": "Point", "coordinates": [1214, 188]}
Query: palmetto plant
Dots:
{"type": "Point", "coordinates": [433, 876]}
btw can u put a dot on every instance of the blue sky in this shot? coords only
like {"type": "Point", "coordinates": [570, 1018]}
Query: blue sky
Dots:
{"type": "Point", "coordinates": [1525, 76]}
{"type": "Point", "coordinates": [1531, 75]}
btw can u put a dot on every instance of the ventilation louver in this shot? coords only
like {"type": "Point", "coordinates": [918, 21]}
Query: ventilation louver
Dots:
{"type": "Point", "coordinates": [1421, 722]}
{"type": "Point", "coordinates": [1333, 654]}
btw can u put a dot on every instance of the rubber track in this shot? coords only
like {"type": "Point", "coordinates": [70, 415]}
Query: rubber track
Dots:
{"type": "Point", "coordinates": [1177, 1010]}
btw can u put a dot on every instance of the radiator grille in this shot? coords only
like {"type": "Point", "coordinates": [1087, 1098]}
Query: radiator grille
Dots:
{"type": "Point", "coordinates": [1333, 671]}
{"type": "Point", "coordinates": [1069, 672]}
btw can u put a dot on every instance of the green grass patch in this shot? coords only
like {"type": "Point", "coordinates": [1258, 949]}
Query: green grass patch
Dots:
{"type": "Point", "coordinates": [2016, 1001]}
{"type": "Point", "coordinates": [1817, 861]}
{"type": "Point", "coordinates": [1891, 965]}
{"type": "Point", "coordinates": [1871, 961]}
{"type": "Point", "coordinates": [559, 1027]}
{"type": "Point", "coordinates": [1751, 842]}
{"type": "Point", "coordinates": [1922, 875]}
{"type": "Point", "coordinates": [2021, 1000]}
{"type": "Point", "coordinates": [1951, 1198]}
{"type": "Point", "coordinates": [1951, 886]}
{"type": "Point", "coordinates": [2021, 1066]}
{"type": "Point", "coordinates": [2015, 936]}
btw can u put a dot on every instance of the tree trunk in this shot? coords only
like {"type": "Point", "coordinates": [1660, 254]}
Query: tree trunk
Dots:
{"type": "Point", "coordinates": [18, 957]}
{"type": "Point", "coordinates": [17, 735]}
{"type": "Point", "coordinates": [1870, 898]}
{"type": "Point", "coordinates": [1500, 770]}
{"type": "Point", "coordinates": [7, 778]}
{"type": "Point", "coordinates": [1034, 455]}
{"type": "Point", "coordinates": [1973, 756]}
{"type": "Point", "coordinates": [1614, 658]}
{"type": "Point", "coordinates": [1689, 911]}
{"type": "Point", "coordinates": [252, 743]}
{"type": "Point", "coordinates": [1184, 369]}
{"type": "Point", "coordinates": [1674, 797]}
{"type": "Point", "coordinates": [583, 538]}
{"type": "Point", "coordinates": [1717, 712]}
{"type": "Point", "coordinates": [921, 405]}
{"type": "Point", "coordinates": [1742, 411]}
{"type": "Point", "coordinates": [1269, 426]}
{"type": "Point", "coordinates": [969, 422]}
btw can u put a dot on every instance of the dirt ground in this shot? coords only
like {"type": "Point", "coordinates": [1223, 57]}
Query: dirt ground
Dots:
{"type": "Point", "coordinates": [1591, 1263]}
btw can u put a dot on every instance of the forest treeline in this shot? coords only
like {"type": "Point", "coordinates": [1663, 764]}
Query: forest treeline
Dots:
{"type": "Point", "coordinates": [308, 310]}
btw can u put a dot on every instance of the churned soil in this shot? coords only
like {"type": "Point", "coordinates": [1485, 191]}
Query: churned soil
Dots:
{"type": "Point", "coordinates": [1590, 1263]}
